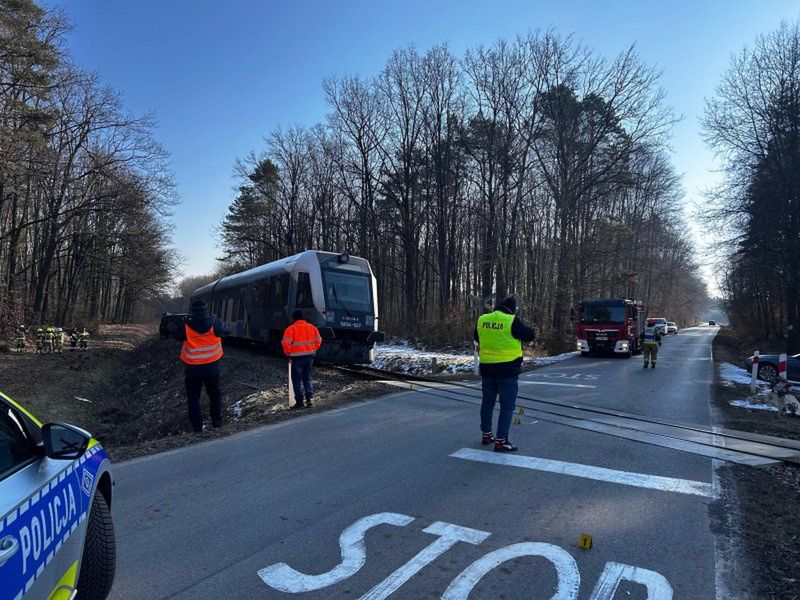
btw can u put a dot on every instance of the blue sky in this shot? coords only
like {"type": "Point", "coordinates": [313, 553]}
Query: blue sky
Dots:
{"type": "Point", "coordinates": [221, 75]}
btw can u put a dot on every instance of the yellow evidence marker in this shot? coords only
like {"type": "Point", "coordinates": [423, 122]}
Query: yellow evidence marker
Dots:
{"type": "Point", "coordinates": [521, 411]}
{"type": "Point", "coordinates": [517, 421]}
{"type": "Point", "coordinates": [585, 541]}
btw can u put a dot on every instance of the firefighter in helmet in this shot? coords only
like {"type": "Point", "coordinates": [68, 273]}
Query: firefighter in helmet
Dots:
{"type": "Point", "coordinates": [49, 339]}
{"type": "Point", "coordinates": [83, 338]}
{"type": "Point", "coordinates": [21, 339]}
{"type": "Point", "coordinates": [39, 339]}
{"type": "Point", "coordinates": [652, 342]}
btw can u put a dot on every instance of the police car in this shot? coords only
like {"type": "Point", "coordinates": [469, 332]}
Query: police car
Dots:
{"type": "Point", "coordinates": [56, 535]}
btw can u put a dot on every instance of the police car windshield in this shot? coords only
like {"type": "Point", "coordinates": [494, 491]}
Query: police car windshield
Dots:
{"type": "Point", "coordinates": [603, 315]}
{"type": "Point", "coordinates": [349, 291]}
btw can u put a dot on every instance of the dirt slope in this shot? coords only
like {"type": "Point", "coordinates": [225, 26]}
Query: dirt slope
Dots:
{"type": "Point", "coordinates": [127, 389]}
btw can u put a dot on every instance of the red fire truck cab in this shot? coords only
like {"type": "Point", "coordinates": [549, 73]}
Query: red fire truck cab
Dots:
{"type": "Point", "coordinates": [610, 325]}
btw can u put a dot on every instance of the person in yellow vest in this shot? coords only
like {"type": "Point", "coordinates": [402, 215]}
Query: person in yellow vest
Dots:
{"type": "Point", "coordinates": [202, 349]}
{"type": "Point", "coordinates": [58, 344]}
{"type": "Point", "coordinates": [49, 339]}
{"type": "Point", "coordinates": [21, 339]}
{"type": "Point", "coordinates": [500, 335]}
{"type": "Point", "coordinates": [83, 338]}
{"type": "Point", "coordinates": [39, 339]}
{"type": "Point", "coordinates": [652, 342]}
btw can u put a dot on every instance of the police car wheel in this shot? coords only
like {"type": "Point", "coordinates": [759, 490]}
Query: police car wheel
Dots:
{"type": "Point", "coordinates": [99, 553]}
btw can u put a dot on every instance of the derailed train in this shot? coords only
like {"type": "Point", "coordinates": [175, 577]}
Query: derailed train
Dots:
{"type": "Point", "coordinates": [336, 292]}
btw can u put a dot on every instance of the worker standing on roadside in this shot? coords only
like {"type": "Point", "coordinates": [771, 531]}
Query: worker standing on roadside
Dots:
{"type": "Point", "coordinates": [59, 340]}
{"type": "Point", "coordinates": [202, 348]}
{"type": "Point", "coordinates": [73, 339]}
{"type": "Point", "coordinates": [301, 340]}
{"type": "Point", "coordinates": [652, 342]}
{"type": "Point", "coordinates": [500, 335]}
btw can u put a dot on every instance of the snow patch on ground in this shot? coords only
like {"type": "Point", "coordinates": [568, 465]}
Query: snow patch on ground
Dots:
{"type": "Point", "coordinates": [237, 409]}
{"type": "Point", "coordinates": [753, 405]}
{"type": "Point", "coordinates": [402, 357]}
{"type": "Point", "coordinates": [549, 360]}
{"type": "Point", "coordinates": [731, 374]}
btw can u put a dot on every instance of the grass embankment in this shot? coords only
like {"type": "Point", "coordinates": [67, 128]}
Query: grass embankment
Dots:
{"type": "Point", "coordinates": [127, 389]}
{"type": "Point", "coordinates": [757, 513]}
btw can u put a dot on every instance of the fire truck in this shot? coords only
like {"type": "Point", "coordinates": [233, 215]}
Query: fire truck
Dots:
{"type": "Point", "coordinates": [610, 325]}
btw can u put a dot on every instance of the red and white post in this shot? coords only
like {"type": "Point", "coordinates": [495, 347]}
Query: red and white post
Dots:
{"type": "Point", "coordinates": [754, 377]}
{"type": "Point", "coordinates": [782, 366]}
{"type": "Point", "coordinates": [475, 360]}
{"type": "Point", "coordinates": [291, 387]}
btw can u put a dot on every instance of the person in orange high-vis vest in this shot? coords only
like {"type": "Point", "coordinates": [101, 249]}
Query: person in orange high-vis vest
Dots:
{"type": "Point", "coordinates": [202, 337]}
{"type": "Point", "coordinates": [300, 342]}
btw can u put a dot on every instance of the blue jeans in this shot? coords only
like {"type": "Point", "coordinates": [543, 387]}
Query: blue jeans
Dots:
{"type": "Point", "coordinates": [302, 369]}
{"type": "Point", "coordinates": [507, 390]}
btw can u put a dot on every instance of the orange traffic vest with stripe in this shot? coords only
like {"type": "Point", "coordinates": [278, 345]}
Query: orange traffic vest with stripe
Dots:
{"type": "Point", "coordinates": [201, 348]}
{"type": "Point", "coordinates": [301, 339]}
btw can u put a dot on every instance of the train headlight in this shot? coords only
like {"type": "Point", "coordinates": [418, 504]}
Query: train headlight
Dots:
{"type": "Point", "coordinates": [330, 315]}
{"type": "Point", "coordinates": [344, 258]}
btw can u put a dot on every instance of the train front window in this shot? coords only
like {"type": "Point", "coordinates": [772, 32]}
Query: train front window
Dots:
{"type": "Point", "coordinates": [347, 291]}
{"type": "Point", "coordinates": [603, 315]}
{"type": "Point", "coordinates": [304, 297]}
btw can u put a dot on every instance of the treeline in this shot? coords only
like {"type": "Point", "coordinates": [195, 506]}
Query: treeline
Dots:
{"type": "Point", "coordinates": [534, 166]}
{"type": "Point", "coordinates": [753, 122]}
{"type": "Point", "coordinates": [84, 187]}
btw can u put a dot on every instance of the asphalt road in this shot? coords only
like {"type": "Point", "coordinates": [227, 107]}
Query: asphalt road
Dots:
{"type": "Point", "coordinates": [367, 501]}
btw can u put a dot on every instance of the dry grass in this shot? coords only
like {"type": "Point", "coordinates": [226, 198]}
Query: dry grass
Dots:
{"type": "Point", "coordinates": [128, 389]}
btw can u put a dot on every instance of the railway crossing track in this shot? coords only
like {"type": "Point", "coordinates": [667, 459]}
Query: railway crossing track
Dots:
{"type": "Point", "coordinates": [728, 445]}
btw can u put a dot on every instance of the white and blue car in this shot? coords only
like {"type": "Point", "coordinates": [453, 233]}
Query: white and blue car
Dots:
{"type": "Point", "coordinates": [56, 535]}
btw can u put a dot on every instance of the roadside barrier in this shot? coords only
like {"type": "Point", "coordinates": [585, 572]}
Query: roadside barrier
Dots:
{"type": "Point", "coordinates": [782, 366]}
{"type": "Point", "coordinates": [755, 373]}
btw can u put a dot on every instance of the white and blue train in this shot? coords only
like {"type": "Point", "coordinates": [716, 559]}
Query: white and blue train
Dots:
{"type": "Point", "coordinates": [336, 292]}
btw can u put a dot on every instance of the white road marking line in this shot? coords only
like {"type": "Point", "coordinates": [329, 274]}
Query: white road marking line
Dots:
{"type": "Point", "coordinates": [449, 536]}
{"type": "Point", "coordinates": [658, 588]}
{"type": "Point", "coordinates": [569, 578]}
{"type": "Point", "coordinates": [284, 578]}
{"type": "Point", "coordinates": [656, 482]}
{"type": "Point", "coordinates": [578, 385]}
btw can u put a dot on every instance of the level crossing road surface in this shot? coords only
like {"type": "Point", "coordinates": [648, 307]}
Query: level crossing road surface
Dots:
{"type": "Point", "coordinates": [396, 497]}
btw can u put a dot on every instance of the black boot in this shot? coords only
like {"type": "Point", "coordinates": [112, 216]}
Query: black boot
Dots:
{"type": "Point", "coordinates": [503, 445]}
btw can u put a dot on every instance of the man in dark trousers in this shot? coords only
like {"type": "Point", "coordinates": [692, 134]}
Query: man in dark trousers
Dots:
{"type": "Point", "coordinates": [202, 349]}
{"type": "Point", "coordinates": [500, 334]}
{"type": "Point", "coordinates": [301, 340]}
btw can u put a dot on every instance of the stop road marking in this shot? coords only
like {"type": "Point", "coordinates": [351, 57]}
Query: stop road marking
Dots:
{"type": "Point", "coordinates": [352, 544]}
